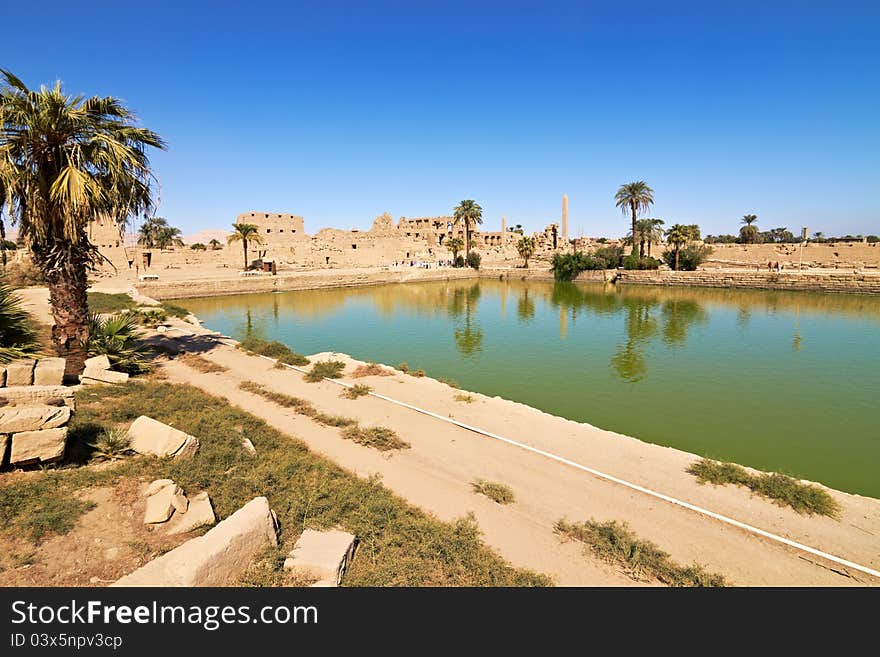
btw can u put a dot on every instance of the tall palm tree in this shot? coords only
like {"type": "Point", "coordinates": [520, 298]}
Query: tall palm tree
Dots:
{"type": "Point", "coordinates": [168, 236]}
{"type": "Point", "coordinates": [678, 235]}
{"type": "Point", "coordinates": [148, 233]}
{"type": "Point", "coordinates": [468, 213]}
{"type": "Point", "coordinates": [526, 249]}
{"type": "Point", "coordinates": [66, 161]}
{"type": "Point", "coordinates": [635, 198]}
{"type": "Point", "coordinates": [246, 233]}
{"type": "Point", "coordinates": [749, 219]}
{"type": "Point", "coordinates": [655, 234]}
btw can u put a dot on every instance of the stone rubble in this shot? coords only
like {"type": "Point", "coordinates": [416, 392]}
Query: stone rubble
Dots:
{"type": "Point", "coordinates": [323, 555]}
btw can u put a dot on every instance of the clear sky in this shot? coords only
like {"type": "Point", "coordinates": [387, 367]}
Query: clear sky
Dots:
{"type": "Point", "coordinates": [341, 111]}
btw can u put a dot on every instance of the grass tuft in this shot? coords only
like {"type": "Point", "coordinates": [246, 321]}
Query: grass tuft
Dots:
{"type": "Point", "coordinates": [112, 443]}
{"type": "Point", "coordinates": [782, 489]}
{"type": "Point", "coordinates": [357, 390]}
{"type": "Point", "coordinates": [201, 364]}
{"type": "Point", "coordinates": [325, 369]}
{"type": "Point", "coordinates": [450, 383]}
{"type": "Point", "coordinates": [380, 438]}
{"type": "Point", "coordinates": [370, 369]}
{"type": "Point", "coordinates": [466, 398]}
{"type": "Point", "coordinates": [615, 543]}
{"type": "Point", "coordinates": [174, 310]}
{"type": "Point", "coordinates": [273, 349]}
{"type": "Point", "coordinates": [301, 406]}
{"type": "Point", "coordinates": [496, 492]}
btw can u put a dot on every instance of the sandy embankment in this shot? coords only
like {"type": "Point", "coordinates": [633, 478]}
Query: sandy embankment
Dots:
{"type": "Point", "coordinates": [437, 471]}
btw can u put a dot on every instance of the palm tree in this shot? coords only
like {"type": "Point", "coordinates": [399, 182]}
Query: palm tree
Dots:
{"type": "Point", "coordinates": [148, 234]}
{"type": "Point", "coordinates": [678, 235]}
{"type": "Point", "coordinates": [636, 198]}
{"type": "Point", "coordinates": [66, 161]}
{"type": "Point", "coordinates": [455, 244]}
{"type": "Point", "coordinates": [655, 234]}
{"type": "Point", "coordinates": [468, 213]}
{"type": "Point", "coordinates": [168, 236]}
{"type": "Point", "coordinates": [246, 233]}
{"type": "Point", "coordinates": [526, 249]}
{"type": "Point", "coordinates": [215, 244]}
{"type": "Point", "coordinates": [749, 219]}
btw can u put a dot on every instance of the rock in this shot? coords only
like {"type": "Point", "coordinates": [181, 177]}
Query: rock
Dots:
{"type": "Point", "coordinates": [38, 395]}
{"type": "Point", "coordinates": [157, 485]}
{"type": "Point", "coordinates": [199, 514]}
{"type": "Point", "coordinates": [190, 447]}
{"type": "Point", "coordinates": [32, 418]}
{"type": "Point", "coordinates": [2, 376]}
{"type": "Point", "coordinates": [4, 440]}
{"type": "Point", "coordinates": [249, 447]}
{"type": "Point", "coordinates": [38, 446]}
{"type": "Point", "coordinates": [20, 373]}
{"type": "Point", "coordinates": [49, 372]}
{"type": "Point", "coordinates": [101, 362]}
{"type": "Point", "coordinates": [217, 558]}
{"type": "Point", "coordinates": [322, 555]}
{"type": "Point", "coordinates": [93, 376]}
{"type": "Point", "coordinates": [160, 505]}
{"type": "Point", "coordinates": [149, 436]}
{"type": "Point", "coordinates": [179, 501]}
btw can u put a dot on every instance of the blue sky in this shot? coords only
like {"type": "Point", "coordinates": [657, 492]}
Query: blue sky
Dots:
{"type": "Point", "coordinates": [341, 111]}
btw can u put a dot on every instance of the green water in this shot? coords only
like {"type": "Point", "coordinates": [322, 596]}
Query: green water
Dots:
{"type": "Point", "coordinates": [779, 381]}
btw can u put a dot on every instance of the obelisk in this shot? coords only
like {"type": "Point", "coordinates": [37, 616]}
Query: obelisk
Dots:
{"type": "Point", "coordinates": [565, 217]}
{"type": "Point", "coordinates": [503, 231]}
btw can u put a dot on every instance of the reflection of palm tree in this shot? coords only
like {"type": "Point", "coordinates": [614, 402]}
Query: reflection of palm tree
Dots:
{"type": "Point", "coordinates": [629, 361]}
{"type": "Point", "coordinates": [743, 316]}
{"type": "Point", "coordinates": [468, 338]}
{"type": "Point", "coordinates": [679, 316]}
{"type": "Point", "coordinates": [525, 307]}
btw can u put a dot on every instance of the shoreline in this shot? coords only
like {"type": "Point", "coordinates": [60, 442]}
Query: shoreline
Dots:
{"type": "Point", "coordinates": [825, 281]}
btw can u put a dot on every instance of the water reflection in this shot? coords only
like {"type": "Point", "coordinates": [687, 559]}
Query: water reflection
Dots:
{"type": "Point", "coordinates": [468, 335]}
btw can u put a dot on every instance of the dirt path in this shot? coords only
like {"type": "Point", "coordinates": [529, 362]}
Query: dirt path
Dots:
{"type": "Point", "coordinates": [437, 471]}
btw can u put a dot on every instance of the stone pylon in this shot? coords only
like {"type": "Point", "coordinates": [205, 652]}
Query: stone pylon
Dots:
{"type": "Point", "coordinates": [565, 218]}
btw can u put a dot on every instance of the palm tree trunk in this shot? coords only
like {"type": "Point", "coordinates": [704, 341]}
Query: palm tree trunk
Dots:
{"type": "Point", "coordinates": [69, 301]}
{"type": "Point", "coordinates": [632, 205]}
{"type": "Point", "coordinates": [244, 242]}
{"type": "Point", "coordinates": [676, 257]}
{"type": "Point", "coordinates": [649, 248]}
{"type": "Point", "coordinates": [467, 238]}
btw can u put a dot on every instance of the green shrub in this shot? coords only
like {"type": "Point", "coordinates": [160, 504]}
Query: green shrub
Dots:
{"type": "Point", "coordinates": [325, 369]}
{"type": "Point", "coordinates": [198, 246]}
{"type": "Point", "coordinates": [18, 337]}
{"type": "Point", "coordinates": [380, 438]}
{"type": "Point", "coordinates": [496, 492]}
{"type": "Point", "coordinates": [689, 257]}
{"type": "Point", "coordinates": [633, 261]}
{"type": "Point", "coordinates": [118, 338]}
{"type": "Point", "coordinates": [174, 311]}
{"type": "Point", "coordinates": [566, 266]}
{"type": "Point", "coordinates": [357, 390]}
{"type": "Point", "coordinates": [473, 260]}
{"type": "Point", "coordinates": [459, 261]}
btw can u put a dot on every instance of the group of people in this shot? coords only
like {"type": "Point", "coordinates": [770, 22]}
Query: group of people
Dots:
{"type": "Point", "coordinates": [774, 266]}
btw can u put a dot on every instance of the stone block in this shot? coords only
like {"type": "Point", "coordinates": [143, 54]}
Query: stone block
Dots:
{"type": "Point", "coordinates": [32, 418]}
{"type": "Point", "coordinates": [157, 485]}
{"type": "Point", "coordinates": [101, 362]}
{"type": "Point", "coordinates": [38, 395]}
{"type": "Point", "coordinates": [160, 505]}
{"type": "Point", "coordinates": [93, 376]}
{"type": "Point", "coordinates": [249, 446]}
{"type": "Point", "coordinates": [4, 440]}
{"type": "Point", "coordinates": [149, 436]}
{"type": "Point", "coordinates": [38, 446]}
{"type": "Point", "coordinates": [198, 514]}
{"type": "Point", "coordinates": [322, 555]}
{"type": "Point", "coordinates": [179, 501]}
{"type": "Point", "coordinates": [49, 372]}
{"type": "Point", "coordinates": [217, 558]}
{"type": "Point", "coordinates": [20, 373]}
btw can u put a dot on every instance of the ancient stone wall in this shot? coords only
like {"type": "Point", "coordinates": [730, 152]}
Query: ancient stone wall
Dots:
{"type": "Point", "coordinates": [842, 281]}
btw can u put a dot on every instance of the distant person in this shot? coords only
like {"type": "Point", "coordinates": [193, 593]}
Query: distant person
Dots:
{"type": "Point", "coordinates": [769, 265]}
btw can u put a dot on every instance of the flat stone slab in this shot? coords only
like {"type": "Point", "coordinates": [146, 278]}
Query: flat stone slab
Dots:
{"type": "Point", "coordinates": [217, 558]}
{"type": "Point", "coordinates": [20, 372]}
{"type": "Point", "coordinates": [49, 372]}
{"type": "Point", "coordinates": [160, 505]}
{"type": "Point", "coordinates": [4, 441]}
{"type": "Point", "coordinates": [32, 418]}
{"type": "Point", "coordinates": [92, 376]}
{"type": "Point", "coordinates": [101, 362]}
{"type": "Point", "coordinates": [322, 555]}
{"type": "Point", "coordinates": [198, 514]}
{"type": "Point", "coordinates": [149, 436]}
{"type": "Point", "coordinates": [38, 446]}
{"type": "Point", "coordinates": [39, 395]}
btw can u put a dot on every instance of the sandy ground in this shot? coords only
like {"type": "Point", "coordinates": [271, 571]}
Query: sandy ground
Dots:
{"type": "Point", "coordinates": [436, 474]}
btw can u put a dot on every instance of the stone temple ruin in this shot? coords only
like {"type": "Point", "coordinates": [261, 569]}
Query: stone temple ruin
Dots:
{"type": "Point", "coordinates": [286, 243]}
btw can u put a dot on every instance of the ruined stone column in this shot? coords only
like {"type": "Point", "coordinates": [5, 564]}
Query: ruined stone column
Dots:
{"type": "Point", "coordinates": [565, 218]}
{"type": "Point", "coordinates": [503, 231]}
